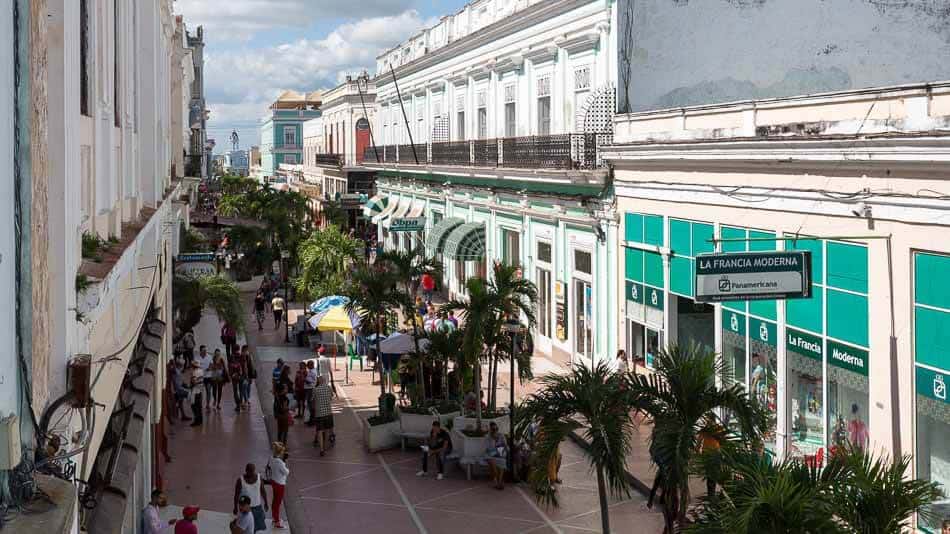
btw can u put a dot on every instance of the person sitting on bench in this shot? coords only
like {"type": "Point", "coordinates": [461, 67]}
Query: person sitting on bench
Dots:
{"type": "Point", "coordinates": [438, 445]}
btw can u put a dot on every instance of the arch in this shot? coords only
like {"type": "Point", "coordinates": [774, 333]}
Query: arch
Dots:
{"type": "Point", "coordinates": [596, 115]}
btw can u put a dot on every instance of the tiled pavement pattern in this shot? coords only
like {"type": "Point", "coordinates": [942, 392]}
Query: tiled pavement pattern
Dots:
{"type": "Point", "coordinates": [350, 490]}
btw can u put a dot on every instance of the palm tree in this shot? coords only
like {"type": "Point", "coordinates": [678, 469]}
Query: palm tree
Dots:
{"type": "Point", "coordinates": [325, 260]}
{"type": "Point", "coordinates": [598, 396]}
{"type": "Point", "coordinates": [515, 297]}
{"type": "Point", "coordinates": [853, 492]}
{"type": "Point", "coordinates": [683, 402]}
{"type": "Point", "coordinates": [408, 267]}
{"type": "Point", "coordinates": [444, 348]}
{"type": "Point", "coordinates": [373, 296]}
{"type": "Point", "coordinates": [479, 313]}
{"type": "Point", "coordinates": [192, 294]}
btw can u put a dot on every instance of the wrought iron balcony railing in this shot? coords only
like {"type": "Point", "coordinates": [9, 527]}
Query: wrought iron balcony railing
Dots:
{"type": "Point", "coordinates": [564, 151]}
{"type": "Point", "coordinates": [328, 159]}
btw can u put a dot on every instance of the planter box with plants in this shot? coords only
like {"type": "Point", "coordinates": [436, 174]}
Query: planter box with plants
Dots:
{"type": "Point", "coordinates": [418, 419]}
{"type": "Point", "coordinates": [380, 433]}
{"type": "Point", "coordinates": [468, 421]}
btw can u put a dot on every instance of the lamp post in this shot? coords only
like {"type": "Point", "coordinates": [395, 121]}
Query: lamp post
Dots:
{"type": "Point", "coordinates": [284, 256]}
{"type": "Point", "coordinates": [512, 326]}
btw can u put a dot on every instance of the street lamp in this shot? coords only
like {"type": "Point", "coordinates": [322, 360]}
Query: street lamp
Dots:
{"type": "Point", "coordinates": [284, 256]}
{"type": "Point", "coordinates": [513, 327]}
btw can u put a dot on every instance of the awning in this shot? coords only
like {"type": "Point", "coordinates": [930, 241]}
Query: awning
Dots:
{"type": "Point", "coordinates": [439, 232]}
{"type": "Point", "coordinates": [390, 207]}
{"type": "Point", "coordinates": [399, 212]}
{"type": "Point", "coordinates": [417, 208]}
{"type": "Point", "coordinates": [466, 242]}
{"type": "Point", "coordinates": [375, 205]}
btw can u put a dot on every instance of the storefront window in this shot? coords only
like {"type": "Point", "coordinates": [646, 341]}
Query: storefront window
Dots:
{"type": "Point", "coordinates": [544, 302]}
{"type": "Point", "coordinates": [763, 377]}
{"type": "Point", "coordinates": [511, 247]}
{"type": "Point", "coordinates": [733, 348]}
{"type": "Point", "coordinates": [806, 398]}
{"type": "Point", "coordinates": [848, 395]}
{"type": "Point", "coordinates": [933, 448]}
{"type": "Point", "coordinates": [583, 313]}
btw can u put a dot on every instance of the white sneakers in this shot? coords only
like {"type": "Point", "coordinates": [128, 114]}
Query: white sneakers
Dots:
{"type": "Point", "coordinates": [421, 474]}
{"type": "Point", "coordinates": [439, 476]}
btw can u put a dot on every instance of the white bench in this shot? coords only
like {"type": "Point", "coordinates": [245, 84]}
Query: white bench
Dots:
{"type": "Point", "coordinates": [404, 437]}
{"type": "Point", "coordinates": [467, 462]}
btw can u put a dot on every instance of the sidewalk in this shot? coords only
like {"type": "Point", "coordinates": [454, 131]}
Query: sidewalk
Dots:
{"type": "Point", "coordinates": [207, 460]}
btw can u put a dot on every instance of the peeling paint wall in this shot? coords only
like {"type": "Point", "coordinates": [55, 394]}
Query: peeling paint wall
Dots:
{"type": "Point", "coordinates": [39, 214]}
{"type": "Point", "coordinates": [675, 53]}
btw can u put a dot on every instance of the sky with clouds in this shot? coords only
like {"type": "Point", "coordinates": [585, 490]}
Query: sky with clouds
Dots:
{"type": "Point", "coordinates": [256, 49]}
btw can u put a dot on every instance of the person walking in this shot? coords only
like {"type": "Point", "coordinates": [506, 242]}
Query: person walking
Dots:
{"type": "Point", "coordinates": [249, 485]}
{"type": "Point", "coordinates": [250, 374]}
{"type": "Point", "coordinates": [275, 374]}
{"type": "Point", "coordinates": [188, 345]}
{"type": "Point", "coordinates": [259, 306]}
{"type": "Point", "coordinates": [228, 338]}
{"type": "Point", "coordinates": [278, 472]}
{"type": "Point", "coordinates": [195, 386]}
{"type": "Point", "coordinates": [438, 446]}
{"type": "Point", "coordinates": [152, 517]}
{"type": "Point", "coordinates": [176, 380]}
{"type": "Point", "coordinates": [186, 525]}
{"type": "Point", "coordinates": [622, 364]}
{"type": "Point", "coordinates": [428, 286]}
{"type": "Point", "coordinates": [204, 361]}
{"type": "Point", "coordinates": [244, 522]}
{"type": "Point", "coordinates": [277, 305]}
{"type": "Point", "coordinates": [282, 412]}
{"type": "Point", "coordinates": [219, 376]}
{"type": "Point", "coordinates": [324, 421]}
{"type": "Point", "coordinates": [236, 374]}
{"type": "Point", "coordinates": [311, 383]}
{"type": "Point", "coordinates": [300, 388]}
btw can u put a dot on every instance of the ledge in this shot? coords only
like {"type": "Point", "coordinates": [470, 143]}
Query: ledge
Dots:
{"type": "Point", "coordinates": [55, 518]}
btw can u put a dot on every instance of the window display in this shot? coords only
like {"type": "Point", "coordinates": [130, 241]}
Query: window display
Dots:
{"type": "Point", "coordinates": [763, 378]}
{"type": "Point", "coordinates": [733, 348]}
{"type": "Point", "coordinates": [805, 392]}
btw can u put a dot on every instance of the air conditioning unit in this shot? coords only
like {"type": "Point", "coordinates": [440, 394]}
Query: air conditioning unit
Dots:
{"type": "Point", "coordinates": [10, 449]}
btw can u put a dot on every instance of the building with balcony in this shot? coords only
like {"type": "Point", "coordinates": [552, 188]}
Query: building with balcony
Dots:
{"type": "Point", "coordinates": [236, 162]}
{"type": "Point", "coordinates": [198, 157]}
{"type": "Point", "coordinates": [766, 131]}
{"type": "Point", "coordinates": [95, 210]}
{"type": "Point", "coordinates": [494, 137]}
{"type": "Point", "coordinates": [282, 131]}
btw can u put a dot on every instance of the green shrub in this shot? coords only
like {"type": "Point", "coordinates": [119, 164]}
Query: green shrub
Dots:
{"type": "Point", "coordinates": [92, 246]}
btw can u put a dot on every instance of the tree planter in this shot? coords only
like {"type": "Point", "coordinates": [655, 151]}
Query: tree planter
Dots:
{"type": "Point", "coordinates": [413, 423]}
{"type": "Point", "coordinates": [467, 446]}
{"type": "Point", "coordinates": [461, 423]}
{"type": "Point", "coordinates": [380, 437]}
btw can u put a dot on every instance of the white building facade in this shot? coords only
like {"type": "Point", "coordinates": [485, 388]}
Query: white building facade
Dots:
{"type": "Point", "coordinates": [495, 143]}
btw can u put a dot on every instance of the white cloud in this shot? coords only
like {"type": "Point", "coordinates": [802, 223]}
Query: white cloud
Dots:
{"type": "Point", "coordinates": [241, 19]}
{"type": "Point", "coordinates": [240, 84]}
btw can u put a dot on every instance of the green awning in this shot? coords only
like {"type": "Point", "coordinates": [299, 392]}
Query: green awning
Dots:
{"type": "Point", "coordinates": [466, 242]}
{"type": "Point", "coordinates": [390, 207]}
{"type": "Point", "coordinates": [375, 205]}
{"type": "Point", "coordinates": [439, 233]}
{"type": "Point", "coordinates": [404, 204]}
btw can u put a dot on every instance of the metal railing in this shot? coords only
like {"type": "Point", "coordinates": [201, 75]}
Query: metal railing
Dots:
{"type": "Point", "coordinates": [563, 151]}
{"type": "Point", "coordinates": [328, 159]}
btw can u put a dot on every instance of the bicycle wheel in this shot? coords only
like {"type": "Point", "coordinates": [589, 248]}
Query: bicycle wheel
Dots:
{"type": "Point", "coordinates": [64, 431]}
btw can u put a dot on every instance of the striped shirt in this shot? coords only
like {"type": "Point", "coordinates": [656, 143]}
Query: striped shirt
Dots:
{"type": "Point", "coordinates": [323, 395]}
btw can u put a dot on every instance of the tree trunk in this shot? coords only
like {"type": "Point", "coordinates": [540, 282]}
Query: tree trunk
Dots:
{"type": "Point", "coordinates": [478, 393]}
{"type": "Point", "coordinates": [379, 362]}
{"type": "Point", "coordinates": [604, 509]}
{"type": "Point", "coordinates": [491, 381]}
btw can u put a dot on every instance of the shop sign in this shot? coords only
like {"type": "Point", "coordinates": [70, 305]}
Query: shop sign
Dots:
{"type": "Point", "coordinates": [763, 331]}
{"type": "Point", "coordinates": [196, 257]}
{"type": "Point", "coordinates": [803, 343]}
{"type": "Point", "coordinates": [195, 269]}
{"type": "Point", "coordinates": [847, 357]}
{"type": "Point", "coordinates": [753, 276]}
{"type": "Point", "coordinates": [635, 292]}
{"type": "Point", "coordinates": [733, 322]}
{"type": "Point", "coordinates": [654, 297]}
{"type": "Point", "coordinates": [408, 224]}
{"type": "Point", "coordinates": [932, 384]}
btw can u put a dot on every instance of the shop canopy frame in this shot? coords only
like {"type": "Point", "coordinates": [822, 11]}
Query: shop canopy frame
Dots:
{"type": "Point", "coordinates": [439, 233]}
{"type": "Point", "coordinates": [466, 242]}
{"type": "Point", "coordinates": [375, 205]}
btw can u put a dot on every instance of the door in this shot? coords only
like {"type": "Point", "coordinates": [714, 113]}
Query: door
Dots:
{"type": "Point", "coordinates": [583, 317]}
{"type": "Point", "coordinates": [362, 139]}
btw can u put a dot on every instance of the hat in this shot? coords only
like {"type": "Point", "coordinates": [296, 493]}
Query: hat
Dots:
{"type": "Point", "coordinates": [190, 511]}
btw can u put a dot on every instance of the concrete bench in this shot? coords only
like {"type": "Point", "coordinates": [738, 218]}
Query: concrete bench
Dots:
{"type": "Point", "coordinates": [404, 437]}
{"type": "Point", "coordinates": [467, 462]}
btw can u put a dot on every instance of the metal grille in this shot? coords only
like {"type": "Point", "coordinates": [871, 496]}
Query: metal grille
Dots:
{"type": "Point", "coordinates": [597, 114]}
{"type": "Point", "coordinates": [440, 129]}
{"type": "Point", "coordinates": [329, 159]}
{"type": "Point", "coordinates": [406, 155]}
{"type": "Point", "coordinates": [510, 92]}
{"type": "Point", "coordinates": [485, 152]}
{"type": "Point", "coordinates": [548, 152]}
{"type": "Point", "coordinates": [582, 78]}
{"type": "Point", "coordinates": [544, 86]}
{"type": "Point", "coordinates": [454, 153]}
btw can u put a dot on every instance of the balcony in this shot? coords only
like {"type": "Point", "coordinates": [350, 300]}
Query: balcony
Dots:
{"type": "Point", "coordinates": [193, 165]}
{"type": "Point", "coordinates": [564, 151]}
{"type": "Point", "coordinates": [328, 159]}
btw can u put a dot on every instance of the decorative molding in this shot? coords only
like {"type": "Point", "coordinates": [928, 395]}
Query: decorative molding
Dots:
{"type": "Point", "coordinates": [458, 78]}
{"type": "Point", "coordinates": [481, 71]}
{"type": "Point", "coordinates": [436, 85]}
{"type": "Point", "coordinates": [508, 64]}
{"type": "Point", "coordinates": [541, 54]}
{"type": "Point", "coordinates": [579, 43]}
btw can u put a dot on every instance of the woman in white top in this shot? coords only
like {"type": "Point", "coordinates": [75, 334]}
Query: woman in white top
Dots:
{"type": "Point", "coordinates": [250, 485]}
{"type": "Point", "coordinates": [277, 473]}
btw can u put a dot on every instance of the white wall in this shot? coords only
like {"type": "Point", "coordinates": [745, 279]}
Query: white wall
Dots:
{"type": "Point", "coordinates": [9, 390]}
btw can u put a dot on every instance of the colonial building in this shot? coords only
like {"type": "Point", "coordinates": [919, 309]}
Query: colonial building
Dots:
{"type": "Point", "coordinates": [489, 125]}
{"type": "Point", "coordinates": [199, 157]}
{"type": "Point", "coordinates": [282, 131]}
{"type": "Point", "coordinates": [767, 131]}
{"type": "Point", "coordinates": [95, 212]}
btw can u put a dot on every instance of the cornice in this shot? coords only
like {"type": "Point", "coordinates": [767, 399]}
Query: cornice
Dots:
{"type": "Point", "coordinates": [519, 21]}
{"type": "Point", "coordinates": [540, 54]}
{"type": "Point", "coordinates": [578, 43]}
{"type": "Point", "coordinates": [509, 63]}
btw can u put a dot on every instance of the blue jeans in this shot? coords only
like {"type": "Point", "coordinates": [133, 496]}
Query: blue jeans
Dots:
{"type": "Point", "coordinates": [246, 390]}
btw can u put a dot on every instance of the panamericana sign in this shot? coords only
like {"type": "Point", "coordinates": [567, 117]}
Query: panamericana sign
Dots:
{"type": "Point", "coordinates": [753, 276]}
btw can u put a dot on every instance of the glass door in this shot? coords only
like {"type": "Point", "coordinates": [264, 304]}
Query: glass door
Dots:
{"type": "Point", "coordinates": [544, 302]}
{"type": "Point", "coordinates": [583, 315]}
